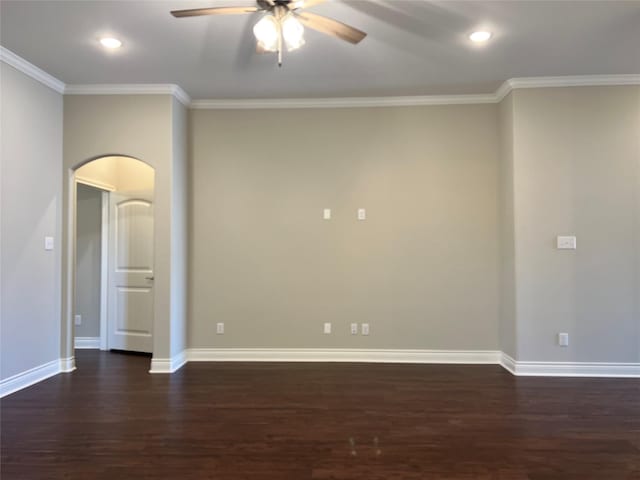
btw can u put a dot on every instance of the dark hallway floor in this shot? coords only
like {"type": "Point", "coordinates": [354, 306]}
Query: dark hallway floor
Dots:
{"type": "Point", "coordinates": [110, 419]}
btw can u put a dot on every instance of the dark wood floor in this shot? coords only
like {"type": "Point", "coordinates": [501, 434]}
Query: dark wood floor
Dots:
{"type": "Point", "coordinates": [112, 420]}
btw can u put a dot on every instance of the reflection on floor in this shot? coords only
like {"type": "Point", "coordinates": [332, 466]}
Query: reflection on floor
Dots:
{"type": "Point", "coordinates": [111, 419]}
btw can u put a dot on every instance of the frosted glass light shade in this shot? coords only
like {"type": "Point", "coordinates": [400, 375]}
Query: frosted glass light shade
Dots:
{"type": "Point", "coordinates": [292, 31]}
{"type": "Point", "coordinates": [267, 32]}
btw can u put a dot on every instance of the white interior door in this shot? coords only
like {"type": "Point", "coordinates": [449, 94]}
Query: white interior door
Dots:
{"type": "Point", "coordinates": [130, 308]}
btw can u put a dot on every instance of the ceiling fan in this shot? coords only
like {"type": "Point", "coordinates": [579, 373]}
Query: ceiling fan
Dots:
{"type": "Point", "coordinates": [283, 23]}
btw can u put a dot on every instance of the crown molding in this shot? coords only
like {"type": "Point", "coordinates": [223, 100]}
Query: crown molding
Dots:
{"type": "Point", "coordinates": [413, 101]}
{"type": "Point", "coordinates": [29, 69]}
{"type": "Point", "coordinates": [346, 102]}
{"type": "Point", "coordinates": [178, 92]}
{"type": "Point", "coordinates": [130, 89]}
{"type": "Point", "coordinates": [182, 96]}
{"type": "Point", "coordinates": [502, 91]}
{"type": "Point", "coordinates": [565, 81]}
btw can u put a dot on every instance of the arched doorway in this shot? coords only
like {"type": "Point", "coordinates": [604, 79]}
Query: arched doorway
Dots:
{"type": "Point", "coordinates": [113, 254]}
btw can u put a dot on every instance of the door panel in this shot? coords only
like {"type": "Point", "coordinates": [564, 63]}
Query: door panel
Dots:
{"type": "Point", "coordinates": [134, 310]}
{"type": "Point", "coordinates": [134, 238]}
{"type": "Point", "coordinates": [131, 272]}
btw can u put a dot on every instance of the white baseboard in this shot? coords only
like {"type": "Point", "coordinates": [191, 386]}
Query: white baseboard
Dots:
{"type": "Point", "coordinates": [341, 355]}
{"type": "Point", "coordinates": [87, 343]}
{"type": "Point", "coordinates": [67, 364]}
{"type": "Point", "coordinates": [508, 363]}
{"type": "Point", "coordinates": [570, 369]}
{"type": "Point", "coordinates": [558, 369]}
{"type": "Point", "coordinates": [168, 365]}
{"type": "Point", "coordinates": [36, 374]}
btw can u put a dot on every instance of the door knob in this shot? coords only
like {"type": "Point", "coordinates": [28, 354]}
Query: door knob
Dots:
{"type": "Point", "coordinates": [148, 278]}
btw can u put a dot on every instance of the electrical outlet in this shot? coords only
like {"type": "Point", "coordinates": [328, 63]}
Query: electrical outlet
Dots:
{"type": "Point", "coordinates": [220, 328]}
{"type": "Point", "coordinates": [48, 243]}
{"type": "Point", "coordinates": [563, 339]}
{"type": "Point", "coordinates": [354, 329]}
{"type": "Point", "coordinates": [362, 214]}
{"type": "Point", "coordinates": [78, 319]}
{"type": "Point", "coordinates": [326, 214]}
{"type": "Point", "coordinates": [365, 329]}
{"type": "Point", "coordinates": [327, 328]}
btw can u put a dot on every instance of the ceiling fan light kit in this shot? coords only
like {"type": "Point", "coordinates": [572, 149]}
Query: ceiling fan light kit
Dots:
{"type": "Point", "coordinates": [274, 29]}
{"type": "Point", "coordinates": [282, 24]}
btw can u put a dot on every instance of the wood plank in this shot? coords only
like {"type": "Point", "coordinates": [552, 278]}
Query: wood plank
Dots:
{"type": "Point", "coordinates": [111, 419]}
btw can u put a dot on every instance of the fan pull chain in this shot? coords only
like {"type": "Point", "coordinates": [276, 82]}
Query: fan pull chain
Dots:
{"type": "Point", "coordinates": [279, 17]}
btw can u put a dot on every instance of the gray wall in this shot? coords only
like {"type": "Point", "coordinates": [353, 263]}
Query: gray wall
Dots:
{"type": "Point", "coordinates": [508, 333]}
{"type": "Point", "coordinates": [422, 270]}
{"type": "Point", "coordinates": [141, 126]}
{"type": "Point", "coordinates": [31, 189]}
{"type": "Point", "coordinates": [458, 251]}
{"type": "Point", "coordinates": [577, 171]}
{"type": "Point", "coordinates": [88, 260]}
{"type": "Point", "coordinates": [179, 227]}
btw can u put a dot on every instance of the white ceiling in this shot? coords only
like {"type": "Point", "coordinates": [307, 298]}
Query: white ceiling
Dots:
{"type": "Point", "coordinates": [414, 47]}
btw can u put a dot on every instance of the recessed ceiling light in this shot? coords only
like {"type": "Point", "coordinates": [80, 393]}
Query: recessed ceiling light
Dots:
{"type": "Point", "coordinates": [110, 42]}
{"type": "Point", "coordinates": [480, 36]}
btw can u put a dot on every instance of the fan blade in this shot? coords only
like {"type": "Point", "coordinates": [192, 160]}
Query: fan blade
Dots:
{"type": "Point", "coordinates": [331, 27]}
{"type": "Point", "coordinates": [195, 12]}
{"type": "Point", "coordinates": [304, 4]}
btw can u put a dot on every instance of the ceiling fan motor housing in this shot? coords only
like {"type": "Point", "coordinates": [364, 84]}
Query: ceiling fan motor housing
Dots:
{"type": "Point", "coordinates": [265, 5]}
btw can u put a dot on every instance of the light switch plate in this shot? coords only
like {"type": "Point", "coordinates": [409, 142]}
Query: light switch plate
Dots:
{"type": "Point", "coordinates": [354, 329]}
{"type": "Point", "coordinates": [326, 214]}
{"type": "Point", "coordinates": [563, 339]}
{"type": "Point", "coordinates": [362, 214]}
{"type": "Point", "coordinates": [566, 242]}
{"type": "Point", "coordinates": [78, 319]}
{"type": "Point", "coordinates": [48, 243]}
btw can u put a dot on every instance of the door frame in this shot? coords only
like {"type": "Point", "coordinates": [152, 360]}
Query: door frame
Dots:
{"type": "Point", "coordinates": [69, 258]}
{"type": "Point", "coordinates": [105, 191]}
{"type": "Point", "coordinates": [104, 273]}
